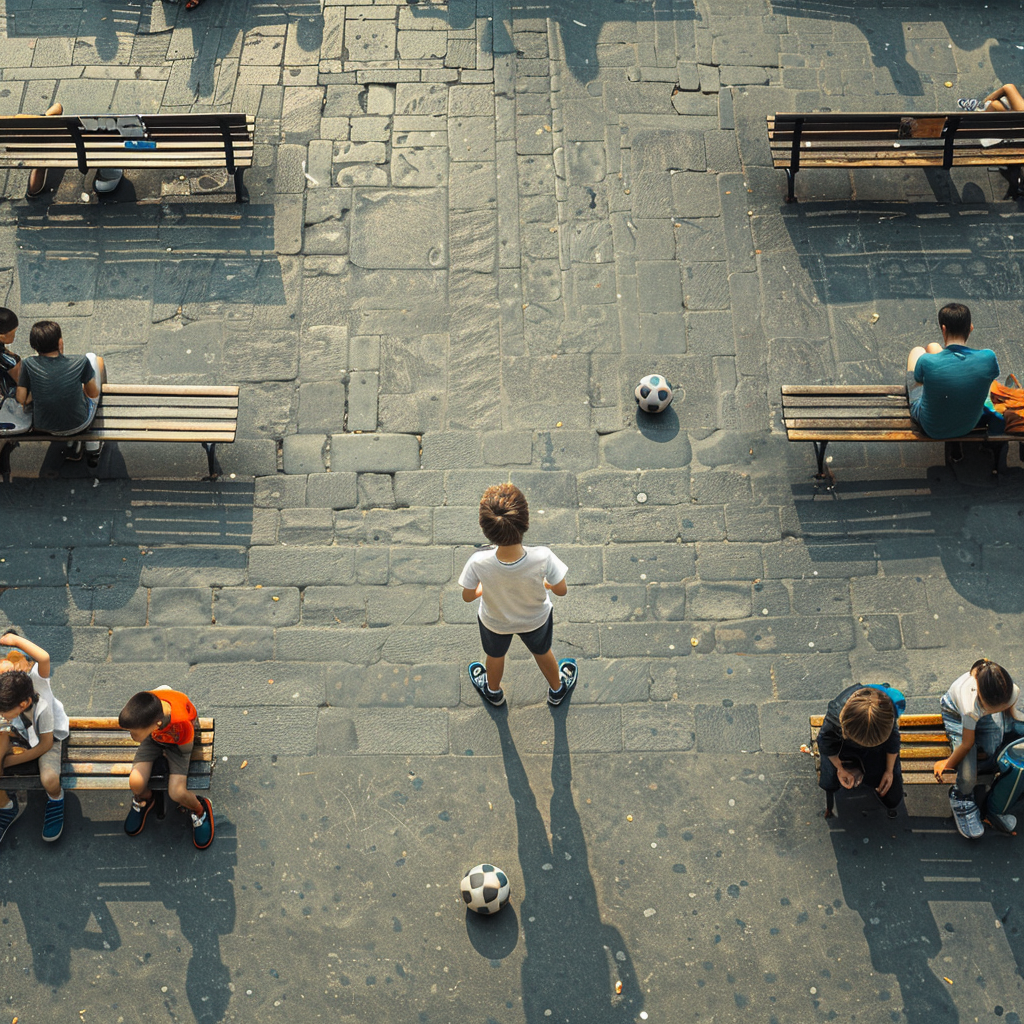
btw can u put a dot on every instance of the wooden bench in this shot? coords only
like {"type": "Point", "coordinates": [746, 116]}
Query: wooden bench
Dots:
{"type": "Point", "coordinates": [821, 413]}
{"type": "Point", "coordinates": [90, 142]}
{"type": "Point", "coordinates": [98, 755]}
{"type": "Point", "coordinates": [152, 412]}
{"type": "Point", "coordinates": [943, 140]}
{"type": "Point", "coordinates": [922, 743]}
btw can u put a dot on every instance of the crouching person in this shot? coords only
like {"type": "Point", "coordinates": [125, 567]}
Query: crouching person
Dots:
{"type": "Point", "coordinates": [859, 744]}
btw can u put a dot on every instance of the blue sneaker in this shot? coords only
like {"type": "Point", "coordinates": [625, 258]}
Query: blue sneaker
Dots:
{"type": "Point", "coordinates": [567, 672]}
{"type": "Point", "coordinates": [10, 815]}
{"type": "Point", "coordinates": [53, 820]}
{"type": "Point", "coordinates": [202, 827]}
{"type": "Point", "coordinates": [478, 677]}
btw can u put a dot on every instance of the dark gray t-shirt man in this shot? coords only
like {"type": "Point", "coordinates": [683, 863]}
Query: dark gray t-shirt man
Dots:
{"type": "Point", "coordinates": [59, 405]}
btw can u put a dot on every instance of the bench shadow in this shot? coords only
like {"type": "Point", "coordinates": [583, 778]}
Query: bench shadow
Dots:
{"type": "Point", "coordinates": [177, 254]}
{"type": "Point", "coordinates": [76, 556]}
{"type": "Point", "coordinates": [96, 869]}
{"type": "Point", "coordinates": [979, 544]}
{"type": "Point", "coordinates": [922, 891]}
{"type": "Point", "coordinates": [573, 958]}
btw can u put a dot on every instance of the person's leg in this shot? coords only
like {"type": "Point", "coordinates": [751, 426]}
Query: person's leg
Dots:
{"type": "Point", "coordinates": [548, 665]}
{"type": "Point", "coordinates": [988, 737]}
{"type": "Point", "coordinates": [37, 179]}
{"type": "Point", "coordinates": [138, 782]}
{"type": "Point", "coordinates": [932, 348]}
{"type": "Point", "coordinates": [49, 775]}
{"type": "Point", "coordinates": [1010, 93]}
{"type": "Point", "coordinates": [495, 672]}
{"type": "Point", "coordinates": [5, 745]}
{"type": "Point", "coordinates": [178, 791]}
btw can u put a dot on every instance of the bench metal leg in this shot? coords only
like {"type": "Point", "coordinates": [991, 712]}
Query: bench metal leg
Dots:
{"type": "Point", "coordinates": [824, 473]}
{"type": "Point", "coordinates": [5, 459]}
{"type": "Point", "coordinates": [241, 196]}
{"type": "Point", "coordinates": [211, 459]}
{"type": "Point", "coordinates": [791, 179]}
{"type": "Point", "coordinates": [1016, 175]}
{"type": "Point", "coordinates": [999, 451]}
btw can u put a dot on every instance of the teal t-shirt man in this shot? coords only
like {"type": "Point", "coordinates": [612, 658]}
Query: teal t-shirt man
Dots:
{"type": "Point", "coordinates": [948, 384]}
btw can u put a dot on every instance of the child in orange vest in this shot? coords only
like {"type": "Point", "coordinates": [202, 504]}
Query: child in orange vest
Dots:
{"type": "Point", "coordinates": [163, 722]}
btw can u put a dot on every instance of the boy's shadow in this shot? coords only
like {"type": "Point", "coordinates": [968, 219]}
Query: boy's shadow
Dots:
{"type": "Point", "coordinates": [95, 866]}
{"type": "Point", "coordinates": [573, 959]}
{"type": "Point", "coordinates": [896, 877]}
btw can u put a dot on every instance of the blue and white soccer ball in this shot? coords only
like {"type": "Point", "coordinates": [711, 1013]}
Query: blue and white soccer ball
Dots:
{"type": "Point", "coordinates": [485, 889]}
{"type": "Point", "coordinates": [653, 393]}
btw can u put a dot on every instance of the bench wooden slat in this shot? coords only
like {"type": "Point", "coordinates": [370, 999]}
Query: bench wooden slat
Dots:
{"type": "Point", "coordinates": [931, 721]}
{"type": "Point", "coordinates": [85, 755]}
{"type": "Point", "coordinates": [189, 391]}
{"type": "Point", "coordinates": [829, 423]}
{"type": "Point", "coordinates": [109, 723]}
{"type": "Point", "coordinates": [827, 401]}
{"type": "Point", "coordinates": [195, 782]}
{"type": "Point", "coordinates": [844, 389]}
{"type": "Point", "coordinates": [143, 410]}
{"type": "Point", "coordinates": [108, 423]}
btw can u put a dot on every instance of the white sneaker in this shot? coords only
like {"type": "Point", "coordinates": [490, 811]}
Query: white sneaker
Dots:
{"type": "Point", "coordinates": [1005, 823]}
{"type": "Point", "coordinates": [966, 815]}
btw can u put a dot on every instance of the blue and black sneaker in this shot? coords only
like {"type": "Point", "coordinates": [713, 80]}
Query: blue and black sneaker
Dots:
{"type": "Point", "coordinates": [478, 677]}
{"type": "Point", "coordinates": [9, 815]}
{"type": "Point", "coordinates": [567, 672]}
{"type": "Point", "coordinates": [53, 820]}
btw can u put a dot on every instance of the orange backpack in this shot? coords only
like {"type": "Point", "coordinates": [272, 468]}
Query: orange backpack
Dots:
{"type": "Point", "coordinates": [1009, 403]}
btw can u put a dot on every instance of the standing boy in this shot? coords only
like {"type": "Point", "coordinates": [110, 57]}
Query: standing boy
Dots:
{"type": "Point", "coordinates": [512, 582]}
{"type": "Point", "coordinates": [163, 722]}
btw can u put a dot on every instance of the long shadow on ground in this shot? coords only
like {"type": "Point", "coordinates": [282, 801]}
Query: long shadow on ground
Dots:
{"type": "Point", "coordinates": [573, 959]}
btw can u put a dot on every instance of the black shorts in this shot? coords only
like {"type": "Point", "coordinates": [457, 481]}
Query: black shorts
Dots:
{"type": "Point", "coordinates": [538, 641]}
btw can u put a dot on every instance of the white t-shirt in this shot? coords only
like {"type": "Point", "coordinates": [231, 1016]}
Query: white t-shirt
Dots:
{"type": "Point", "coordinates": [963, 695]}
{"type": "Point", "coordinates": [46, 715]}
{"type": "Point", "coordinates": [515, 599]}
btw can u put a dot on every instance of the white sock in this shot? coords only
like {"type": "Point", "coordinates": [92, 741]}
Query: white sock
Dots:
{"type": "Point", "coordinates": [55, 799]}
{"type": "Point", "coordinates": [7, 806]}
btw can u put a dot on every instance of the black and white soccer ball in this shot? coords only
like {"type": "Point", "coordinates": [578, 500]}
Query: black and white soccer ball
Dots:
{"type": "Point", "coordinates": [653, 393]}
{"type": "Point", "coordinates": [485, 889]}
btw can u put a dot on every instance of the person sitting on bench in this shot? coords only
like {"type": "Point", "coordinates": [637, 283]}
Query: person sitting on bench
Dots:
{"type": "Point", "coordinates": [64, 390]}
{"type": "Point", "coordinates": [859, 744]}
{"type": "Point", "coordinates": [948, 384]}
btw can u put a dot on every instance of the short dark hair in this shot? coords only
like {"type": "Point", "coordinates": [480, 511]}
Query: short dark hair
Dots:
{"type": "Point", "coordinates": [504, 514]}
{"type": "Point", "coordinates": [867, 717]}
{"type": "Point", "coordinates": [956, 318]}
{"type": "Point", "coordinates": [45, 336]}
{"type": "Point", "coordinates": [142, 711]}
{"type": "Point", "coordinates": [8, 320]}
{"type": "Point", "coordinates": [16, 687]}
{"type": "Point", "coordinates": [994, 683]}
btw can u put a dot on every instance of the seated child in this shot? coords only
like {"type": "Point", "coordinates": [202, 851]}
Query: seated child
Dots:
{"type": "Point", "coordinates": [859, 743]}
{"type": "Point", "coordinates": [163, 722]}
{"type": "Point", "coordinates": [972, 709]}
{"type": "Point", "coordinates": [10, 362]}
{"type": "Point", "coordinates": [38, 724]}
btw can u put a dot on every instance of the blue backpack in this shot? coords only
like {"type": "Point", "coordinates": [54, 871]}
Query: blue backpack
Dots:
{"type": "Point", "coordinates": [896, 696]}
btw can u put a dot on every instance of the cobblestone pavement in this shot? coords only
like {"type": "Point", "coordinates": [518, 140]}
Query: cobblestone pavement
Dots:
{"type": "Point", "coordinates": [473, 227]}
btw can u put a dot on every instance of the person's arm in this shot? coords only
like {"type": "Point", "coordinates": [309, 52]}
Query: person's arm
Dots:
{"type": "Point", "coordinates": [30, 650]}
{"type": "Point", "coordinates": [91, 387]}
{"type": "Point", "coordinates": [846, 778]}
{"type": "Point", "coordinates": [32, 753]}
{"type": "Point", "coordinates": [560, 589]}
{"type": "Point", "coordinates": [957, 756]}
{"type": "Point", "coordinates": [885, 785]}
{"type": "Point", "coordinates": [471, 595]}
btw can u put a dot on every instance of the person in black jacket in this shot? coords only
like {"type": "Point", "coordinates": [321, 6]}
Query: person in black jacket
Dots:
{"type": "Point", "coordinates": [859, 744]}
